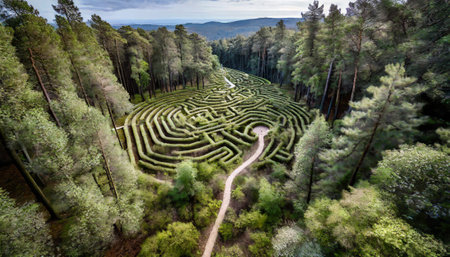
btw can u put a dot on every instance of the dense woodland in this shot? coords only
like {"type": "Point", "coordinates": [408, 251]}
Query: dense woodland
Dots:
{"type": "Point", "coordinates": [370, 174]}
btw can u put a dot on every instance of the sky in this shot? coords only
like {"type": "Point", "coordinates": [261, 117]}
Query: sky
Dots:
{"type": "Point", "coordinates": [168, 12]}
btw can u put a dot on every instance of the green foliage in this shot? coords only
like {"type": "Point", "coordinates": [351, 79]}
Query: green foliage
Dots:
{"type": "Point", "coordinates": [23, 231]}
{"type": "Point", "coordinates": [316, 137]}
{"type": "Point", "coordinates": [91, 229]}
{"type": "Point", "coordinates": [417, 178]}
{"type": "Point", "coordinates": [184, 183]}
{"type": "Point", "coordinates": [261, 246]}
{"type": "Point", "coordinates": [270, 201]}
{"type": "Point", "coordinates": [179, 239]}
{"type": "Point", "coordinates": [232, 251]}
{"type": "Point", "coordinates": [287, 241]}
{"type": "Point", "coordinates": [252, 219]}
{"type": "Point", "coordinates": [385, 120]}
{"type": "Point", "coordinates": [363, 224]}
{"type": "Point", "coordinates": [226, 231]}
{"type": "Point", "coordinates": [206, 171]}
{"type": "Point", "coordinates": [237, 194]}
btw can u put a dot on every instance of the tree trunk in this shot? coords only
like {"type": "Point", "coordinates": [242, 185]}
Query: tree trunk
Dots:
{"type": "Point", "coordinates": [203, 82]}
{"type": "Point", "coordinates": [121, 73]}
{"type": "Point", "coordinates": [80, 83]}
{"type": "Point", "coordinates": [330, 106]}
{"type": "Point", "coordinates": [338, 97]}
{"type": "Point", "coordinates": [47, 97]}
{"type": "Point", "coordinates": [311, 174]}
{"type": "Point", "coordinates": [358, 47]}
{"type": "Point", "coordinates": [326, 87]}
{"type": "Point", "coordinates": [40, 196]}
{"type": "Point", "coordinates": [112, 120]}
{"type": "Point", "coordinates": [198, 82]}
{"type": "Point", "coordinates": [354, 82]}
{"type": "Point", "coordinates": [108, 171]}
{"type": "Point", "coordinates": [372, 135]}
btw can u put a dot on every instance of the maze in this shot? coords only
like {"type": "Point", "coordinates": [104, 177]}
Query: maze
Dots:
{"type": "Point", "coordinates": [213, 124]}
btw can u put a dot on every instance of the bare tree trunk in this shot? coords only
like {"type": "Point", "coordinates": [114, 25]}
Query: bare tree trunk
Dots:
{"type": "Point", "coordinates": [198, 82]}
{"type": "Point", "coordinates": [330, 106]}
{"type": "Point", "coordinates": [47, 97]}
{"type": "Point", "coordinates": [112, 120]}
{"type": "Point", "coordinates": [372, 135]}
{"type": "Point", "coordinates": [80, 83]}
{"type": "Point", "coordinates": [122, 74]}
{"type": "Point", "coordinates": [40, 196]}
{"type": "Point", "coordinates": [108, 171]}
{"type": "Point", "coordinates": [338, 97]}
{"type": "Point", "coordinates": [311, 174]}
{"type": "Point", "coordinates": [358, 47]}
{"type": "Point", "coordinates": [354, 82]}
{"type": "Point", "coordinates": [203, 82]}
{"type": "Point", "coordinates": [326, 86]}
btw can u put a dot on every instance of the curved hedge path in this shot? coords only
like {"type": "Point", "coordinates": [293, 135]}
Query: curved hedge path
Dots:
{"type": "Point", "coordinates": [261, 132]}
{"type": "Point", "coordinates": [213, 124]}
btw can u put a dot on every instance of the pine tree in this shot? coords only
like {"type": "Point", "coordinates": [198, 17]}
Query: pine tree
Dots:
{"type": "Point", "coordinates": [84, 126]}
{"type": "Point", "coordinates": [167, 61]}
{"type": "Point", "coordinates": [304, 171]}
{"type": "Point", "coordinates": [385, 120]}
{"type": "Point", "coordinates": [137, 48]}
{"type": "Point", "coordinates": [23, 231]}
{"type": "Point", "coordinates": [89, 59]}
{"type": "Point", "coordinates": [307, 61]}
{"type": "Point", "coordinates": [184, 51]}
{"type": "Point", "coordinates": [360, 13]}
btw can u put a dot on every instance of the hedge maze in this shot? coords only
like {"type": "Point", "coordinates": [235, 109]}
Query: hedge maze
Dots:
{"type": "Point", "coordinates": [213, 124]}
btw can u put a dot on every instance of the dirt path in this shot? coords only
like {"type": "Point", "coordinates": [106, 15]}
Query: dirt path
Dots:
{"type": "Point", "coordinates": [261, 132]}
{"type": "Point", "coordinates": [229, 82]}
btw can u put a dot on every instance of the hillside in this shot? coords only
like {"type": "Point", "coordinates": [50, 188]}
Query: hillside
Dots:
{"type": "Point", "coordinates": [218, 30]}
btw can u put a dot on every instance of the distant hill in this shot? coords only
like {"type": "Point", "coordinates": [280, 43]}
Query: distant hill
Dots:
{"type": "Point", "coordinates": [218, 30]}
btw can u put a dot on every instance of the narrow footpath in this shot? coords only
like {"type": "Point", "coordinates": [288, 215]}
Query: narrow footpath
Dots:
{"type": "Point", "coordinates": [261, 132]}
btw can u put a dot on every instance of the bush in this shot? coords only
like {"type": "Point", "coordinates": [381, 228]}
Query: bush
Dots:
{"type": "Point", "coordinates": [205, 171]}
{"type": "Point", "coordinates": [202, 216]}
{"type": "Point", "coordinates": [279, 171]}
{"type": "Point", "coordinates": [180, 239]}
{"type": "Point", "coordinates": [159, 220]}
{"type": "Point", "coordinates": [238, 194]}
{"type": "Point", "coordinates": [226, 231]}
{"type": "Point", "coordinates": [270, 201]}
{"type": "Point", "coordinates": [262, 246]}
{"type": "Point", "coordinates": [253, 220]}
{"type": "Point", "coordinates": [232, 251]}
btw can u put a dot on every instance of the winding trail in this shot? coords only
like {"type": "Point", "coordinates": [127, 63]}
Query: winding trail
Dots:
{"type": "Point", "coordinates": [229, 82]}
{"type": "Point", "coordinates": [261, 132]}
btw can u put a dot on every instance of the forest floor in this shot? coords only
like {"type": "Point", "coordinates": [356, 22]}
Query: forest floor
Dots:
{"type": "Point", "coordinates": [261, 132]}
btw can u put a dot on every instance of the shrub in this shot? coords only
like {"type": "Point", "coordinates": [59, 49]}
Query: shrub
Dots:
{"type": "Point", "coordinates": [201, 217]}
{"type": "Point", "coordinates": [287, 241]}
{"type": "Point", "coordinates": [226, 231]}
{"type": "Point", "coordinates": [180, 239]}
{"type": "Point", "coordinates": [238, 194]}
{"type": "Point", "coordinates": [270, 200]}
{"type": "Point", "coordinates": [262, 246]}
{"type": "Point", "coordinates": [279, 171]}
{"type": "Point", "coordinates": [232, 251]}
{"type": "Point", "coordinates": [205, 171]}
{"type": "Point", "coordinates": [159, 219]}
{"type": "Point", "coordinates": [253, 220]}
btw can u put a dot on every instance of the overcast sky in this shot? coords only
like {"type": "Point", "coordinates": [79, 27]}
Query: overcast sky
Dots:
{"type": "Point", "coordinates": [174, 11]}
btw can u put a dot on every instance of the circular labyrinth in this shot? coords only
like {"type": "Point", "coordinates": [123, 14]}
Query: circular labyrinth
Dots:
{"type": "Point", "coordinates": [213, 124]}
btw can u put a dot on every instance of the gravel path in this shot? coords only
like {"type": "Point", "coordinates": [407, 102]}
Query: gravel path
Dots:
{"type": "Point", "coordinates": [261, 132]}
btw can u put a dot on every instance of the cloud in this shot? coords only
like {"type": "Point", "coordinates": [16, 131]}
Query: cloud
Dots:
{"type": "Point", "coordinates": [115, 5]}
